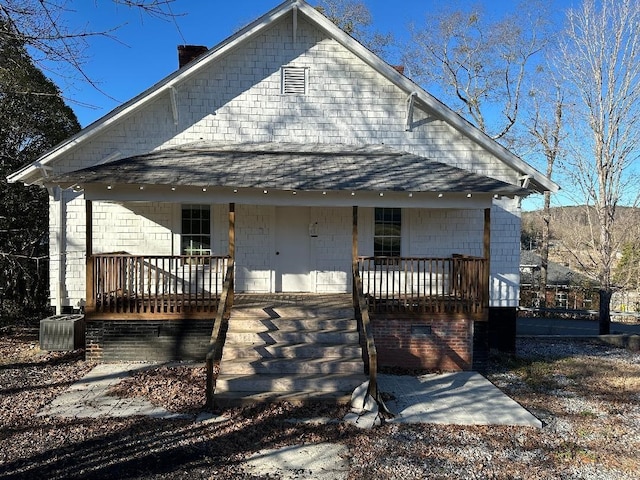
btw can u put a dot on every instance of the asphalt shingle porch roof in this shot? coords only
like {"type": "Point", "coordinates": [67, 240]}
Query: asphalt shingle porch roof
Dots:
{"type": "Point", "coordinates": [286, 166]}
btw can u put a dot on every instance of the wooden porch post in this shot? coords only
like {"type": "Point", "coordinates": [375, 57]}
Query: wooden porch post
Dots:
{"type": "Point", "coordinates": [354, 260]}
{"type": "Point", "coordinates": [91, 297]}
{"type": "Point", "coordinates": [232, 249]}
{"type": "Point", "coordinates": [487, 254]}
{"type": "Point", "coordinates": [232, 231]}
{"type": "Point", "coordinates": [354, 240]}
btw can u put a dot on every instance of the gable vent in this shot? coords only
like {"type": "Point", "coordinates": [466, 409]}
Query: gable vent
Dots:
{"type": "Point", "coordinates": [294, 80]}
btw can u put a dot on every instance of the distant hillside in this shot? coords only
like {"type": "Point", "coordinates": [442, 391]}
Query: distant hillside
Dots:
{"type": "Point", "coordinates": [575, 233]}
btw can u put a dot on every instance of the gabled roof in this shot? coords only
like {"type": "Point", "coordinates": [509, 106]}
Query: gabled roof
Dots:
{"type": "Point", "coordinates": [537, 181]}
{"type": "Point", "coordinates": [288, 166]}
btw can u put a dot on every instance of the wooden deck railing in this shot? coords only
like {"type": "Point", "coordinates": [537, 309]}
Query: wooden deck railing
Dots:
{"type": "Point", "coordinates": [455, 285]}
{"type": "Point", "coordinates": [155, 285]}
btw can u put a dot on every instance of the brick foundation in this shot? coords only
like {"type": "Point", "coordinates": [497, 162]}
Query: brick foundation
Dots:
{"type": "Point", "coordinates": [424, 343]}
{"type": "Point", "coordinates": [148, 341]}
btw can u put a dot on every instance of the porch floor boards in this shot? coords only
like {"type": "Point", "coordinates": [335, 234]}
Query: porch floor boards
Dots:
{"type": "Point", "coordinates": [306, 301]}
{"type": "Point", "coordinates": [164, 307]}
{"type": "Point", "coordinates": [290, 347]}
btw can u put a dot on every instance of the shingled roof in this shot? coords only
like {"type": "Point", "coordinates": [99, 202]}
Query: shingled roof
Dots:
{"type": "Point", "coordinates": [557, 274]}
{"type": "Point", "coordinates": [286, 166]}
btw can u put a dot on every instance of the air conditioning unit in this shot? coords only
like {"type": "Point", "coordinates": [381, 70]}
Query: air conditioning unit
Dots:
{"type": "Point", "coordinates": [62, 332]}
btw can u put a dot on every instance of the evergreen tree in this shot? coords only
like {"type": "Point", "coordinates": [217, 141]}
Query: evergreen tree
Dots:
{"type": "Point", "coordinates": [627, 272]}
{"type": "Point", "coordinates": [33, 118]}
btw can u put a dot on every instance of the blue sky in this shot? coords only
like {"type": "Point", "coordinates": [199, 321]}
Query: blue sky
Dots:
{"type": "Point", "coordinates": [144, 49]}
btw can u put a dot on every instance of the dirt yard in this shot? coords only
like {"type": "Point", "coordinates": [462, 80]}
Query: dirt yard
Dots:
{"type": "Point", "coordinates": [587, 395]}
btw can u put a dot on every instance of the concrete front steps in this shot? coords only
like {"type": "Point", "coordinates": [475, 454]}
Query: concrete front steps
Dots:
{"type": "Point", "coordinates": [289, 353]}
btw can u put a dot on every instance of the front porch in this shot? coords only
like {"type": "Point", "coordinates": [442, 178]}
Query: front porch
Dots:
{"type": "Point", "coordinates": [421, 310]}
{"type": "Point", "coordinates": [418, 313]}
{"type": "Point", "coordinates": [413, 312]}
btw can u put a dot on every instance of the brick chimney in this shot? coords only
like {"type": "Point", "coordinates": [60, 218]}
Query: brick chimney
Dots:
{"type": "Point", "coordinates": [186, 53]}
{"type": "Point", "coordinates": [399, 68]}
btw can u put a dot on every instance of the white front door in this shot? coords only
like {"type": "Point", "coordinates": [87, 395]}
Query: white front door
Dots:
{"type": "Point", "coordinates": [292, 252]}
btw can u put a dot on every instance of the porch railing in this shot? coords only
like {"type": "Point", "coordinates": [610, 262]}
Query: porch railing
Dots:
{"type": "Point", "coordinates": [155, 285]}
{"type": "Point", "coordinates": [455, 285]}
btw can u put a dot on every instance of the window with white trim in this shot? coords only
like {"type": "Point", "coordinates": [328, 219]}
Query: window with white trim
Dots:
{"type": "Point", "coordinates": [196, 230]}
{"type": "Point", "coordinates": [562, 300]}
{"type": "Point", "coordinates": [294, 80]}
{"type": "Point", "coordinates": [387, 232]}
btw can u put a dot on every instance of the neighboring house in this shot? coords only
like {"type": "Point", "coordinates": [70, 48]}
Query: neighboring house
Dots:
{"type": "Point", "coordinates": [627, 301]}
{"type": "Point", "coordinates": [293, 151]}
{"type": "Point", "coordinates": [565, 287]}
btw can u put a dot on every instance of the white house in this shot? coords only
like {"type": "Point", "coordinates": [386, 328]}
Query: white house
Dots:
{"type": "Point", "coordinates": [300, 136]}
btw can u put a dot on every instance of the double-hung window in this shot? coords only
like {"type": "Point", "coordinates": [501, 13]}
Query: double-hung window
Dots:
{"type": "Point", "coordinates": [387, 232]}
{"type": "Point", "coordinates": [196, 230]}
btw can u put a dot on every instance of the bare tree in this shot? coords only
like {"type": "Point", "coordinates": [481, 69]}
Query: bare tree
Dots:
{"type": "Point", "coordinates": [599, 56]}
{"type": "Point", "coordinates": [354, 17]}
{"type": "Point", "coordinates": [481, 65]}
{"type": "Point", "coordinates": [53, 45]}
{"type": "Point", "coordinates": [547, 127]}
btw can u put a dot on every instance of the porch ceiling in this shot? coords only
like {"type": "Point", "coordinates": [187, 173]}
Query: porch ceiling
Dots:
{"type": "Point", "coordinates": [286, 166]}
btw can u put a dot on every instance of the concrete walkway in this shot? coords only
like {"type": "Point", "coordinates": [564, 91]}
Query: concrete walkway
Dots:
{"type": "Point", "coordinates": [463, 398]}
{"type": "Point", "coordinates": [89, 397]}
